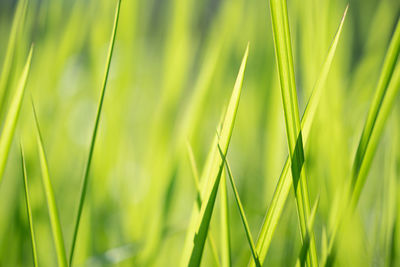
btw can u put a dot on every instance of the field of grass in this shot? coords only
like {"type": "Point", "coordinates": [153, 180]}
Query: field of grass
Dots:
{"type": "Point", "coordinates": [199, 133]}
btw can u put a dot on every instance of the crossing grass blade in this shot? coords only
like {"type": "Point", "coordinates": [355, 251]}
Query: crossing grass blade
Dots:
{"type": "Point", "coordinates": [28, 208]}
{"type": "Point", "coordinates": [12, 115]}
{"type": "Point", "coordinates": [9, 56]}
{"type": "Point", "coordinates": [225, 225]}
{"type": "Point", "coordinates": [241, 212]}
{"type": "Point", "coordinates": [285, 181]}
{"type": "Point", "coordinates": [301, 261]}
{"type": "Point", "coordinates": [94, 133]}
{"type": "Point", "coordinates": [283, 51]}
{"type": "Point", "coordinates": [198, 228]}
{"type": "Point", "coordinates": [50, 199]}
{"type": "Point", "coordinates": [382, 102]}
{"type": "Point", "coordinates": [387, 89]}
{"type": "Point", "coordinates": [195, 172]}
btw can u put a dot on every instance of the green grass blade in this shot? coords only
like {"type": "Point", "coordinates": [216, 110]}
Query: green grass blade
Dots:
{"type": "Point", "coordinates": [360, 168]}
{"type": "Point", "coordinates": [50, 199]}
{"type": "Point", "coordinates": [28, 209]}
{"type": "Point", "coordinates": [301, 261]}
{"type": "Point", "coordinates": [280, 25]}
{"type": "Point", "coordinates": [376, 133]}
{"type": "Point", "coordinates": [12, 115]}
{"type": "Point", "coordinates": [8, 60]}
{"type": "Point", "coordinates": [94, 133]}
{"type": "Point", "coordinates": [380, 109]}
{"type": "Point", "coordinates": [197, 231]}
{"type": "Point", "coordinates": [242, 213]}
{"type": "Point", "coordinates": [225, 225]}
{"type": "Point", "coordinates": [285, 181]}
{"type": "Point", "coordinates": [195, 172]}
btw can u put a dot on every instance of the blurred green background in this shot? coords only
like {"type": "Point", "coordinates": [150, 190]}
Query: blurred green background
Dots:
{"type": "Point", "coordinates": [172, 72]}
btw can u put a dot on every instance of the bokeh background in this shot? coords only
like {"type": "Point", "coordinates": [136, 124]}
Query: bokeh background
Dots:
{"type": "Point", "coordinates": [172, 72]}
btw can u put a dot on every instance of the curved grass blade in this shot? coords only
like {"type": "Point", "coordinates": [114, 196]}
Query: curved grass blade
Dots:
{"type": "Point", "coordinates": [241, 212]}
{"type": "Point", "coordinates": [225, 226]}
{"type": "Point", "coordinates": [28, 209]}
{"type": "Point", "coordinates": [380, 109]}
{"type": "Point", "coordinates": [50, 199]}
{"type": "Point", "coordinates": [12, 115]}
{"type": "Point", "coordinates": [280, 26]}
{"type": "Point", "coordinates": [199, 201]}
{"type": "Point", "coordinates": [285, 182]}
{"type": "Point", "coordinates": [8, 60]}
{"type": "Point", "coordinates": [301, 261]}
{"type": "Point", "coordinates": [94, 134]}
{"type": "Point", "coordinates": [198, 228]}
{"type": "Point", "coordinates": [360, 168]}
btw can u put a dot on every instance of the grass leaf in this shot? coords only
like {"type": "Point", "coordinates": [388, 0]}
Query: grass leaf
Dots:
{"type": "Point", "coordinates": [12, 115]}
{"type": "Point", "coordinates": [9, 56]}
{"type": "Point", "coordinates": [285, 182]}
{"type": "Point", "coordinates": [94, 133]}
{"type": "Point", "coordinates": [242, 213]}
{"type": "Point", "coordinates": [50, 199]}
{"type": "Point", "coordinates": [195, 172]}
{"type": "Point", "coordinates": [301, 261]}
{"type": "Point", "coordinates": [387, 89]}
{"type": "Point", "coordinates": [225, 225]}
{"type": "Point", "coordinates": [198, 228]}
{"type": "Point", "coordinates": [28, 208]}
{"type": "Point", "coordinates": [280, 25]}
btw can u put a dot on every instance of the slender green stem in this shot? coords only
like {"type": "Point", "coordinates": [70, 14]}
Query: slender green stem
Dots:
{"type": "Point", "coordinates": [94, 134]}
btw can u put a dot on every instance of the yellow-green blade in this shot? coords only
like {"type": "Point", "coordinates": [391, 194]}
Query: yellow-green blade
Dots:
{"type": "Point", "coordinates": [283, 51]}
{"type": "Point", "coordinates": [28, 209]}
{"type": "Point", "coordinates": [12, 116]}
{"type": "Point", "coordinates": [285, 181]}
{"type": "Point", "coordinates": [9, 56]}
{"type": "Point", "coordinates": [198, 228]}
{"type": "Point", "coordinates": [195, 172]}
{"type": "Point", "coordinates": [94, 133]}
{"type": "Point", "coordinates": [242, 213]}
{"type": "Point", "coordinates": [50, 199]}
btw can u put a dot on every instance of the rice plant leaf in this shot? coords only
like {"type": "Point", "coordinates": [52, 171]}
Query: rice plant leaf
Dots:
{"type": "Point", "coordinates": [9, 56]}
{"type": "Point", "coordinates": [387, 89]}
{"type": "Point", "coordinates": [28, 209]}
{"type": "Point", "coordinates": [195, 172]}
{"type": "Point", "coordinates": [285, 181]}
{"type": "Point", "coordinates": [12, 115]}
{"type": "Point", "coordinates": [382, 102]}
{"type": "Point", "coordinates": [225, 225]}
{"type": "Point", "coordinates": [94, 133]}
{"type": "Point", "coordinates": [301, 261]}
{"type": "Point", "coordinates": [50, 199]}
{"type": "Point", "coordinates": [280, 25]}
{"type": "Point", "coordinates": [198, 228]}
{"type": "Point", "coordinates": [242, 213]}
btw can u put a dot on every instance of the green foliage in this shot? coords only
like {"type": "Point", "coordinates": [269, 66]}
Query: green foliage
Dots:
{"type": "Point", "coordinates": [322, 119]}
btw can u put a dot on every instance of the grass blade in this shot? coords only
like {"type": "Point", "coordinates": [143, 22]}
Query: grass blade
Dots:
{"type": "Point", "coordinates": [225, 226]}
{"type": "Point", "coordinates": [12, 115]}
{"type": "Point", "coordinates": [8, 60]}
{"type": "Point", "coordinates": [381, 102]}
{"type": "Point", "coordinates": [50, 199]}
{"type": "Point", "coordinates": [199, 200]}
{"type": "Point", "coordinates": [280, 25]}
{"type": "Point", "coordinates": [198, 228]}
{"type": "Point", "coordinates": [94, 133]}
{"type": "Point", "coordinates": [387, 89]}
{"type": "Point", "coordinates": [241, 212]}
{"type": "Point", "coordinates": [28, 209]}
{"type": "Point", "coordinates": [285, 182]}
{"type": "Point", "coordinates": [301, 261]}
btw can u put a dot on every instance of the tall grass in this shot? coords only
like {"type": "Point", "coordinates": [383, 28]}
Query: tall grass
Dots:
{"type": "Point", "coordinates": [140, 175]}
